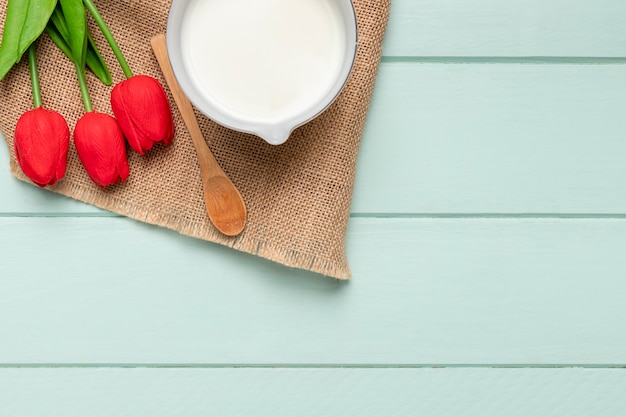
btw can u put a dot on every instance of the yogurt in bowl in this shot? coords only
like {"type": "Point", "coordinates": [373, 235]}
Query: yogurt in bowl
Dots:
{"type": "Point", "coordinates": [262, 66]}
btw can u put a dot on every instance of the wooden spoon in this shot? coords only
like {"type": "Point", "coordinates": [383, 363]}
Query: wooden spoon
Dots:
{"type": "Point", "coordinates": [223, 201]}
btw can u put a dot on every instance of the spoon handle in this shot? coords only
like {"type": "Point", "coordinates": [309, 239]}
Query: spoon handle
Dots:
{"type": "Point", "coordinates": [205, 156]}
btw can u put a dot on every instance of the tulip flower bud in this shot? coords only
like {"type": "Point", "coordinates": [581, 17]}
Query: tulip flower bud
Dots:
{"type": "Point", "coordinates": [143, 111]}
{"type": "Point", "coordinates": [101, 148]}
{"type": "Point", "coordinates": [42, 139]}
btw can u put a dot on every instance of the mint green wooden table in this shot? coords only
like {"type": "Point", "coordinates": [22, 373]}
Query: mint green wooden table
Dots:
{"type": "Point", "coordinates": [487, 242]}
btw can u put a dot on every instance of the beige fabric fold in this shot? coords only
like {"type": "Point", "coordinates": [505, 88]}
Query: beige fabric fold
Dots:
{"type": "Point", "coordinates": [298, 194]}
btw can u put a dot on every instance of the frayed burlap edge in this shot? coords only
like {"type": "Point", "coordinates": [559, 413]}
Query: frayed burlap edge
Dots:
{"type": "Point", "coordinates": [241, 243]}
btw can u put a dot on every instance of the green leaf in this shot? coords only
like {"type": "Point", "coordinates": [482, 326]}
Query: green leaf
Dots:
{"type": "Point", "coordinates": [17, 12]}
{"type": "Point", "coordinates": [58, 20]}
{"type": "Point", "coordinates": [6, 63]}
{"type": "Point", "coordinates": [96, 63]}
{"type": "Point", "coordinates": [38, 14]}
{"type": "Point", "coordinates": [58, 39]}
{"type": "Point", "coordinates": [76, 20]}
{"type": "Point", "coordinates": [58, 31]}
{"type": "Point", "coordinates": [25, 21]}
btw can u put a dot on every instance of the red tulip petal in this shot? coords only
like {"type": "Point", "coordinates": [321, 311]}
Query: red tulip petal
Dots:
{"type": "Point", "coordinates": [100, 145]}
{"type": "Point", "coordinates": [41, 144]}
{"type": "Point", "coordinates": [144, 112]}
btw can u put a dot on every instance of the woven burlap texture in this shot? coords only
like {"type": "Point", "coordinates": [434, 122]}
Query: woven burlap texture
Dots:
{"type": "Point", "coordinates": [298, 194]}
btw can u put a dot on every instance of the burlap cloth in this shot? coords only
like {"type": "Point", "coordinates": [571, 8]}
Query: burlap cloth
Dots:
{"type": "Point", "coordinates": [298, 194]}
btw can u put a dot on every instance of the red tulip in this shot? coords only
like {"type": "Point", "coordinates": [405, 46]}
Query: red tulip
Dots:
{"type": "Point", "coordinates": [100, 145]}
{"type": "Point", "coordinates": [42, 139]}
{"type": "Point", "coordinates": [143, 111]}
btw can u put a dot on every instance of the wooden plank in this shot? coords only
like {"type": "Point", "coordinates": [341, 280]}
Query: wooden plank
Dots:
{"type": "Point", "coordinates": [495, 139]}
{"type": "Point", "coordinates": [471, 139]}
{"type": "Point", "coordinates": [425, 291]}
{"type": "Point", "coordinates": [495, 28]}
{"type": "Point", "coordinates": [312, 392]}
{"type": "Point", "coordinates": [19, 198]}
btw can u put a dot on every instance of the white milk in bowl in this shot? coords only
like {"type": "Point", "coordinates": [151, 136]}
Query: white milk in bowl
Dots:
{"type": "Point", "coordinates": [270, 63]}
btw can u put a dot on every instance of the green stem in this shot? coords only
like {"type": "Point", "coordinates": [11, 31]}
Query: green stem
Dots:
{"type": "Point", "coordinates": [109, 37]}
{"type": "Point", "coordinates": [84, 91]}
{"type": "Point", "coordinates": [34, 75]}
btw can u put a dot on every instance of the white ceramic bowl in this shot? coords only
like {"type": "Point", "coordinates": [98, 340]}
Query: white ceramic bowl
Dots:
{"type": "Point", "coordinates": [274, 130]}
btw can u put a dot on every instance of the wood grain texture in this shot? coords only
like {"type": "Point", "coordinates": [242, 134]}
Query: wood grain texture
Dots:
{"type": "Point", "coordinates": [425, 291]}
{"type": "Point", "coordinates": [495, 139]}
{"type": "Point", "coordinates": [312, 392]}
{"type": "Point", "coordinates": [471, 138]}
{"type": "Point", "coordinates": [576, 28]}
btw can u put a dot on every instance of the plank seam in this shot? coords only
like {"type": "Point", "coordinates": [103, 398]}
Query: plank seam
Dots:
{"type": "Point", "coordinates": [516, 60]}
{"type": "Point", "coordinates": [308, 366]}
{"type": "Point", "coordinates": [491, 215]}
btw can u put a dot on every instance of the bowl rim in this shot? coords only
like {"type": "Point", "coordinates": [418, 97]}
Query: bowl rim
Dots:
{"type": "Point", "coordinates": [273, 133]}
